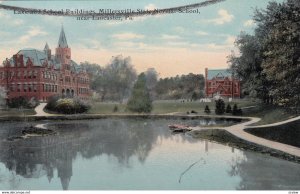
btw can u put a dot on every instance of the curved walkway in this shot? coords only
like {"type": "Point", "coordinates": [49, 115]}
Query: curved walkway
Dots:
{"type": "Point", "coordinates": [40, 110]}
{"type": "Point", "coordinates": [238, 131]}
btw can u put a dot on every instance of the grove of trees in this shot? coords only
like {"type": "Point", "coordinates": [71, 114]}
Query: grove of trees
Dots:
{"type": "Point", "coordinates": [269, 60]}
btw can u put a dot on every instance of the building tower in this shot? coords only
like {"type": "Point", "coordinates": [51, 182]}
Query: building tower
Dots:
{"type": "Point", "coordinates": [63, 52]}
{"type": "Point", "coordinates": [47, 51]}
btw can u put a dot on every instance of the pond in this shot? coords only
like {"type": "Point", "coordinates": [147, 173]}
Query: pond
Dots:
{"type": "Point", "coordinates": [121, 154]}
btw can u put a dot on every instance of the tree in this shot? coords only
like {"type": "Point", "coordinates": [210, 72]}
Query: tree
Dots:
{"type": "Point", "coordinates": [189, 86]}
{"type": "Point", "coordinates": [228, 109]}
{"type": "Point", "coordinates": [269, 60]}
{"type": "Point", "coordinates": [220, 107]}
{"type": "Point", "coordinates": [116, 79]}
{"type": "Point", "coordinates": [207, 110]}
{"type": "Point", "coordinates": [140, 100]}
{"type": "Point", "coordinates": [2, 97]}
{"type": "Point", "coordinates": [151, 81]}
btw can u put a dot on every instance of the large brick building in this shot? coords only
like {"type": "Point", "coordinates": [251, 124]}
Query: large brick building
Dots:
{"type": "Point", "coordinates": [221, 82]}
{"type": "Point", "coordinates": [33, 73]}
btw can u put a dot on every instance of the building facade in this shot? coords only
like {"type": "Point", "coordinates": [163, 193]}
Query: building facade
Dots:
{"type": "Point", "coordinates": [32, 73]}
{"type": "Point", "coordinates": [221, 83]}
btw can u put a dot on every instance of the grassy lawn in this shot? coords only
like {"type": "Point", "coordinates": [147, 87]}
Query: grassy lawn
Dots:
{"type": "Point", "coordinates": [270, 114]}
{"type": "Point", "coordinates": [162, 107]}
{"type": "Point", "coordinates": [16, 112]}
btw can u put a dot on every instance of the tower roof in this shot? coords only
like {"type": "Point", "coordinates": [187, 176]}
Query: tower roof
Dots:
{"type": "Point", "coordinates": [46, 47]}
{"type": "Point", "coordinates": [62, 42]}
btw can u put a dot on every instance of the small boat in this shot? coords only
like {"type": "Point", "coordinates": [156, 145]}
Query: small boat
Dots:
{"type": "Point", "coordinates": [179, 128]}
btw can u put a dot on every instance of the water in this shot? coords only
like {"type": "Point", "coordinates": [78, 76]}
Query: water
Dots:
{"type": "Point", "coordinates": [134, 154]}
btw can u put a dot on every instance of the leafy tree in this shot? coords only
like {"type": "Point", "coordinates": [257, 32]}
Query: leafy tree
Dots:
{"type": "Point", "coordinates": [236, 110]}
{"type": "Point", "coordinates": [140, 100]}
{"type": "Point", "coordinates": [151, 81]}
{"type": "Point", "coordinates": [269, 60]}
{"type": "Point", "coordinates": [207, 110]}
{"type": "Point", "coordinates": [116, 79]}
{"type": "Point", "coordinates": [220, 107]}
{"type": "Point", "coordinates": [189, 86]}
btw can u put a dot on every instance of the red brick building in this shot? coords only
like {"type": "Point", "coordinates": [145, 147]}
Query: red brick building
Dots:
{"type": "Point", "coordinates": [221, 82]}
{"type": "Point", "coordinates": [39, 74]}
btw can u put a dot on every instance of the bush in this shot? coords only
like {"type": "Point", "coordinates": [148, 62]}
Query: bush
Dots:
{"type": "Point", "coordinates": [237, 111]}
{"type": "Point", "coordinates": [116, 108]}
{"type": "Point", "coordinates": [67, 105]}
{"type": "Point", "coordinates": [220, 107]}
{"type": "Point", "coordinates": [21, 102]}
{"type": "Point", "coordinates": [51, 103]}
{"type": "Point", "coordinates": [228, 109]}
{"type": "Point", "coordinates": [207, 110]}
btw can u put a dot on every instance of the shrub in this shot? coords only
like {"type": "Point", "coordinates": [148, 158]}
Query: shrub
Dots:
{"type": "Point", "coordinates": [51, 103]}
{"type": "Point", "coordinates": [116, 108]}
{"type": "Point", "coordinates": [19, 102]}
{"type": "Point", "coordinates": [237, 111]}
{"type": "Point", "coordinates": [67, 105]}
{"type": "Point", "coordinates": [194, 112]}
{"type": "Point", "coordinates": [207, 110]}
{"type": "Point", "coordinates": [220, 107]}
{"type": "Point", "coordinates": [228, 109]}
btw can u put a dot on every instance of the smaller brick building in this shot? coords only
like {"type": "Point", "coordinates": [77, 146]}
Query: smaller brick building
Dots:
{"type": "Point", "coordinates": [221, 82]}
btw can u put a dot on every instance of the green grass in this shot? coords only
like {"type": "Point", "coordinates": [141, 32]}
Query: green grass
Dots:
{"type": "Point", "coordinates": [270, 114]}
{"type": "Point", "coordinates": [16, 112]}
{"type": "Point", "coordinates": [164, 107]}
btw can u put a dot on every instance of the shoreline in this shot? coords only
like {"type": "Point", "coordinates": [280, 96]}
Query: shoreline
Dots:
{"type": "Point", "coordinates": [233, 135]}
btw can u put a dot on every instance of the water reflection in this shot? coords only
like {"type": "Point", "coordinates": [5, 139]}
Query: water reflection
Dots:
{"type": "Point", "coordinates": [54, 156]}
{"type": "Point", "coordinates": [38, 156]}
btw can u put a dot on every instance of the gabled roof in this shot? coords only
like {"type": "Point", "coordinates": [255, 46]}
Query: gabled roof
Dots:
{"type": "Point", "coordinates": [218, 73]}
{"type": "Point", "coordinates": [62, 42]}
{"type": "Point", "coordinates": [37, 57]}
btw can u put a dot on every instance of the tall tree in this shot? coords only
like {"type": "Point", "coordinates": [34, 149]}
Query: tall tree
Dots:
{"type": "Point", "coordinates": [269, 61]}
{"type": "Point", "coordinates": [116, 79]}
{"type": "Point", "coordinates": [140, 100]}
{"type": "Point", "coordinates": [151, 81]}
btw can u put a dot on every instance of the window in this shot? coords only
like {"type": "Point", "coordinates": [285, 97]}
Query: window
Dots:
{"type": "Point", "coordinates": [19, 87]}
{"type": "Point", "coordinates": [25, 87]}
{"type": "Point", "coordinates": [35, 74]}
{"type": "Point", "coordinates": [25, 74]}
{"type": "Point", "coordinates": [34, 87]}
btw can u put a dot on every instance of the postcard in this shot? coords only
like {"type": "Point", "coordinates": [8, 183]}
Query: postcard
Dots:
{"type": "Point", "coordinates": [197, 95]}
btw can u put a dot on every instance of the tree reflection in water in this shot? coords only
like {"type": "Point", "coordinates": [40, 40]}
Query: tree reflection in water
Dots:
{"type": "Point", "coordinates": [264, 173]}
{"type": "Point", "coordinates": [40, 156]}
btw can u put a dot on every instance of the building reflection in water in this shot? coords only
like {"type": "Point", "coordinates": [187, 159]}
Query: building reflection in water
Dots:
{"type": "Point", "coordinates": [40, 156]}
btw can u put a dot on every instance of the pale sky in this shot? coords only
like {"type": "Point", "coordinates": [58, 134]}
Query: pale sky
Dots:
{"type": "Point", "coordinates": [173, 44]}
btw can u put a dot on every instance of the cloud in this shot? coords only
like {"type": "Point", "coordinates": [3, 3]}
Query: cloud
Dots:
{"type": "Point", "coordinates": [150, 7]}
{"type": "Point", "coordinates": [249, 23]}
{"type": "Point", "coordinates": [128, 36]}
{"type": "Point", "coordinates": [230, 40]}
{"type": "Point", "coordinates": [32, 32]}
{"type": "Point", "coordinates": [170, 37]}
{"type": "Point", "coordinates": [8, 20]}
{"type": "Point", "coordinates": [201, 33]}
{"type": "Point", "coordinates": [224, 17]}
{"type": "Point", "coordinates": [89, 43]}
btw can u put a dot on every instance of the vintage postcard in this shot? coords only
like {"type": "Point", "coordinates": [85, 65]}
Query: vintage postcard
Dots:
{"type": "Point", "coordinates": [149, 95]}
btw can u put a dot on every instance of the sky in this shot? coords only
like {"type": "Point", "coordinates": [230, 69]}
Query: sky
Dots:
{"type": "Point", "coordinates": [173, 44]}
